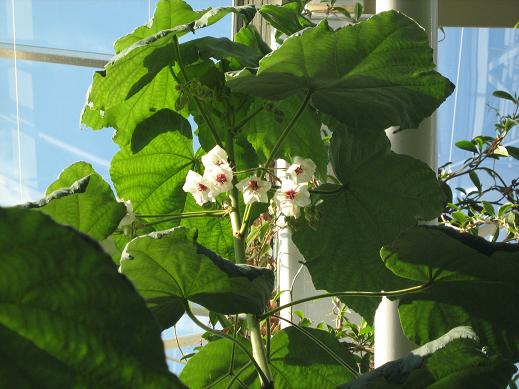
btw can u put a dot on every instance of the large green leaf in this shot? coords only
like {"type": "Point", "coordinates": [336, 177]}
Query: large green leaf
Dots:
{"type": "Point", "coordinates": [370, 75]}
{"type": "Point", "coordinates": [447, 364]}
{"type": "Point", "coordinates": [152, 179]}
{"type": "Point", "coordinates": [295, 362]}
{"type": "Point", "coordinates": [382, 194]}
{"type": "Point", "coordinates": [174, 13]}
{"type": "Point", "coordinates": [168, 268]}
{"type": "Point", "coordinates": [305, 140]}
{"type": "Point", "coordinates": [250, 36]}
{"type": "Point", "coordinates": [134, 85]}
{"type": "Point", "coordinates": [474, 283]}
{"type": "Point", "coordinates": [87, 202]}
{"type": "Point", "coordinates": [68, 319]}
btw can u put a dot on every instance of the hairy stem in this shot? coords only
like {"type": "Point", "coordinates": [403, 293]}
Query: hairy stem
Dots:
{"type": "Point", "coordinates": [198, 104]}
{"type": "Point", "coordinates": [222, 334]}
{"type": "Point", "coordinates": [393, 293]}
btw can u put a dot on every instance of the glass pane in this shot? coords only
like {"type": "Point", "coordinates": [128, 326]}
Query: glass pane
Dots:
{"type": "Point", "coordinates": [83, 25]}
{"type": "Point", "coordinates": [478, 61]}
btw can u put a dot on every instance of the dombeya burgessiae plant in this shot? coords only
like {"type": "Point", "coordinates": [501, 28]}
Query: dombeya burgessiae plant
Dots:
{"type": "Point", "coordinates": [180, 228]}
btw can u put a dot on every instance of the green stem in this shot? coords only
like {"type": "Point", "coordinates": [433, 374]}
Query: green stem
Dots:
{"type": "Point", "coordinates": [186, 214]}
{"type": "Point", "coordinates": [238, 373]}
{"type": "Point", "coordinates": [288, 128]}
{"type": "Point", "coordinates": [198, 104]}
{"type": "Point", "coordinates": [189, 216]}
{"type": "Point", "coordinates": [320, 191]}
{"type": "Point", "coordinates": [258, 348]}
{"type": "Point", "coordinates": [225, 336]}
{"type": "Point", "coordinates": [242, 124]}
{"type": "Point", "coordinates": [393, 293]}
{"type": "Point", "coordinates": [323, 346]}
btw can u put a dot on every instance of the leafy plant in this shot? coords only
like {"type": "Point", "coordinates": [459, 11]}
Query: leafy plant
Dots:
{"type": "Point", "coordinates": [192, 226]}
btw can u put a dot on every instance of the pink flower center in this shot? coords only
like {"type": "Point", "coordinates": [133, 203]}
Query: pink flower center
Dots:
{"type": "Point", "coordinates": [202, 187]}
{"type": "Point", "coordinates": [290, 194]}
{"type": "Point", "coordinates": [253, 185]}
{"type": "Point", "coordinates": [299, 170]}
{"type": "Point", "coordinates": [221, 178]}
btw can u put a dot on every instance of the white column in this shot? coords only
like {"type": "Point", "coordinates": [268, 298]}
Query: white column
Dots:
{"type": "Point", "coordinates": [421, 143]}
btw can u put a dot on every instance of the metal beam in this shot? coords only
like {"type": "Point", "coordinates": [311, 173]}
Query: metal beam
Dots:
{"type": "Point", "coordinates": [50, 55]}
{"type": "Point", "coordinates": [478, 13]}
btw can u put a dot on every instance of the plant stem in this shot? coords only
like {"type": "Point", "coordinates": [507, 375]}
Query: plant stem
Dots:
{"type": "Point", "coordinates": [198, 104]}
{"type": "Point", "coordinates": [226, 336]}
{"type": "Point", "coordinates": [393, 293]}
{"type": "Point", "coordinates": [288, 128]}
{"type": "Point", "coordinates": [323, 346]}
{"type": "Point", "coordinates": [235, 376]}
{"type": "Point", "coordinates": [238, 127]}
{"type": "Point", "coordinates": [187, 214]}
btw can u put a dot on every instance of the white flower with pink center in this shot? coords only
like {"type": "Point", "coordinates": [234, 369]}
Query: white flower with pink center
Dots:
{"type": "Point", "coordinates": [301, 170]}
{"type": "Point", "coordinates": [199, 187]}
{"type": "Point", "coordinates": [291, 197]}
{"type": "Point", "coordinates": [217, 157]}
{"type": "Point", "coordinates": [254, 189]}
{"type": "Point", "coordinates": [220, 179]}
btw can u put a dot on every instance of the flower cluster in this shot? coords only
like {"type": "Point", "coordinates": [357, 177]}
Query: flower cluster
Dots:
{"type": "Point", "coordinates": [293, 193]}
{"type": "Point", "coordinates": [217, 177]}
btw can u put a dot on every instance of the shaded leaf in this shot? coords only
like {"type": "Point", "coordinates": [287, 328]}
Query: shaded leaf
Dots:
{"type": "Point", "coordinates": [466, 145]}
{"type": "Point", "coordinates": [475, 284]}
{"type": "Point", "coordinates": [295, 362]}
{"type": "Point", "coordinates": [391, 73]}
{"type": "Point", "coordinates": [513, 151]}
{"type": "Point", "coordinates": [88, 204]}
{"type": "Point", "coordinates": [285, 18]}
{"type": "Point", "coordinates": [169, 268]}
{"type": "Point", "coordinates": [383, 194]}
{"type": "Point", "coordinates": [250, 36]}
{"type": "Point", "coordinates": [59, 328]}
{"type": "Point", "coordinates": [504, 95]}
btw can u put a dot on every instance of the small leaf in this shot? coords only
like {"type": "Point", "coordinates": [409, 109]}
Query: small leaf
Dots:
{"type": "Point", "coordinates": [505, 208]}
{"type": "Point", "coordinates": [475, 179]}
{"type": "Point", "coordinates": [489, 208]}
{"type": "Point", "coordinates": [504, 95]}
{"type": "Point", "coordinates": [513, 151]}
{"type": "Point", "coordinates": [358, 10]}
{"type": "Point", "coordinates": [501, 150]}
{"type": "Point", "coordinates": [466, 145]}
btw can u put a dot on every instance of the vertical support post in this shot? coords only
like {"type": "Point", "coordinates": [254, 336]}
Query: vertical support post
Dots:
{"type": "Point", "coordinates": [421, 143]}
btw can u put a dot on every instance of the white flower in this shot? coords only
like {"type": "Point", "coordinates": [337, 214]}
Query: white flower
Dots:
{"type": "Point", "coordinates": [301, 170]}
{"type": "Point", "coordinates": [219, 179]}
{"type": "Point", "coordinates": [217, 157]}
{"type": "Point", "coordinates": [291, 196]}
{"type": "Point", "coordinates": [199, 187]}
{"type": "Point", "coordinates": [254, 190]}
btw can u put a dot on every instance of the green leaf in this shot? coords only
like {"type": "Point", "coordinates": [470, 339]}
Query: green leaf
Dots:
{"type": "Point", "coordinates": [162, 121]}
{"type": "Point", "coordinates": [513, 152]}
{"type": "Point", "coordinates": [173, 13]}
{"type": "Point", "coordinates": [169, 268]}
{"type": "Point", "coordinates": [153, 177]}
{"type": "Point", "coordinates": [168, 14]}
{"type": "Point", "coordinates": [358, 10]}
{"type": "Point", "coordinates": [285, 18]}
{"type": "Point", "coordinates": [475, 284]}
{"type": "Point", "coordinates": [489, 208]}
{"type": "Point", "coordinates": [295, 362]}
{"type": "Point", "coordinates": [504, 95]}
{"type": "Point", "coordinates": [387, 80]}
{"type": "Point", "coordinates": [88, 204]}
{"type": "Point", "coordinates": [68, 319]}
{"type": "Point", "coordinates": [134, 85]}
{"type": "Point", "coordinates": [466, 145]}
{"type": "Point", "coordinates": [383, 194]}
{"type": "Point", "coordinates": [475, 179]}
{"type": "Point", "coordinates": [250, 36]}
{"type": "Point", "coordinates": [500, 150]}
{"type": "Point", "coordinates": [305, 140]}
{"type": "Point", "coordinates": [458, 364]}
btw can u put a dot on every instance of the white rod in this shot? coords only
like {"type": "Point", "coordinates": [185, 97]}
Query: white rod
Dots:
{"type": "Point", "coordinates": [390, 341]}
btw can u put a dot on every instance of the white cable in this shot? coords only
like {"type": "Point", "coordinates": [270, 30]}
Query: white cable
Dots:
{"type": "Point", "coordinates": [18, 134]}
{"type": "Point", "coordinates": [456, 95]}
